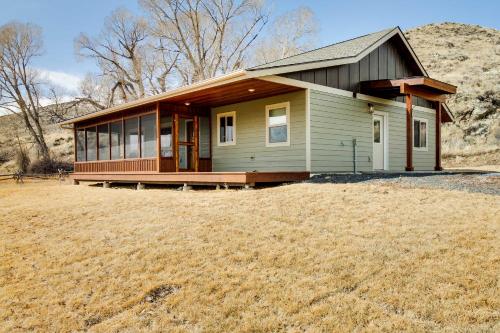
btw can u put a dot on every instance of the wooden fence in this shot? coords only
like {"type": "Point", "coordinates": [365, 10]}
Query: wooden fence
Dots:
{"type": "Point", "coordinates": [19, 177]}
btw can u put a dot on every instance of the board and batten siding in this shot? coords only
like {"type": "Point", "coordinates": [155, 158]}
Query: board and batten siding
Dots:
{"type": "Point", "coordinates": [337, 120]}
{"type": "Point", "coordinates": [390, 60]}
{"type": "Point", "coordinates": [250, 152]}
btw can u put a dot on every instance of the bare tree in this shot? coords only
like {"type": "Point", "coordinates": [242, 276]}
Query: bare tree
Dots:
{"type": "Point", "coordinates": [209, 36]}
{"type": "Point", "coordinates": [126, 56]}
{"type": "Point", "coordinates": [20, 85]}
{"type": "Point", "coordinates": [289, 34]}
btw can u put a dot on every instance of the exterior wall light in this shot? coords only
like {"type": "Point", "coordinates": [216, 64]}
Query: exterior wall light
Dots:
{"type": "Point", "coordinates": [371, 108]}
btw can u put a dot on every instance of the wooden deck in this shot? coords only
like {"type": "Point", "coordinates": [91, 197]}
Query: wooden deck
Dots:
{"type": "Point", "coordinates": [193, 178]}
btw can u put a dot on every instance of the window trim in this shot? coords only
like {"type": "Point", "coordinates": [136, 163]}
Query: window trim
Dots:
{"type": "Point", "coordinates": [270, 107]}
{"type": "Point", "coordinates": [226, 114]}
{"type": "Point", "coordinates": [426, 121]}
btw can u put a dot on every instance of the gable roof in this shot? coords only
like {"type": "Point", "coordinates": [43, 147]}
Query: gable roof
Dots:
{"type": "Point", "coordinates": [346, 52]}
{"type": "Point", "coordinates": [344, 49]}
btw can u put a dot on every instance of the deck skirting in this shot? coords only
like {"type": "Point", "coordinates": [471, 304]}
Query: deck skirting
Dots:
{"type": "Point", "coordinates": [194, 178]}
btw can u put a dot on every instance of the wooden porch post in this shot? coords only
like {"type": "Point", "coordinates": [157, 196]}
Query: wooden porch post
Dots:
{"type": "Point", "coordinates": [409, 133]}
{"type": "Point", "coordinates": [158, 137]}
{"type": "Point", "coordinates": [75, 144]}
{"type": "Point", "coordinates": [176, 141]}
{"type": "Point", "coordinates": [438, 137]}
{"type": "Point", "coordinates": [196, 142]}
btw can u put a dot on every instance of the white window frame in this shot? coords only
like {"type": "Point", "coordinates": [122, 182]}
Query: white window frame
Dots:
{"type": "Point", "coordinates": [270, 107]}
{"type": "Point", "coordinates": [226, 114]}
{"type": "Point", "coordinates": [426, 121]}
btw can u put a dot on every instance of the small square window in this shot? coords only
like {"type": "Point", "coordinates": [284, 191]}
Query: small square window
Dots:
{"type": "Point", "coordinates": [278, 124]}
{"type": "Point", "coordinates": [420, 134]}
{"type": "Point", "coordinates": [226, 134]}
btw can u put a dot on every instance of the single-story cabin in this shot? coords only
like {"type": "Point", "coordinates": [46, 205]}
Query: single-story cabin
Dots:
{"type": "Point", "coordinates": [365, 104]}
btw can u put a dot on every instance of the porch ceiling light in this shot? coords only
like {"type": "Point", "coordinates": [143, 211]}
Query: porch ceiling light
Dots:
{"type": "Point", "coordinates": [371, 109]}
{"type": "Point", "coordinates": [187, 104]}
{"type": "Point", "coordinates": [251, 90]}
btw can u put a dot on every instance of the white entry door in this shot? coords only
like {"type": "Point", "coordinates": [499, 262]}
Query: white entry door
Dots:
{"type": "Point", "coordinates": [378, 142]}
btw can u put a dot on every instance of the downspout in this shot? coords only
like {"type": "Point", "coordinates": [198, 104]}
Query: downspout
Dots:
{"type": "Point", "coordinates": [354, 144]}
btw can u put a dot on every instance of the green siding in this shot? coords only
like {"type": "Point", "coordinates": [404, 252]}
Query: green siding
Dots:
{"type": "Point", "coordinates": [250, 152]}
{"type": "Point", "coordinates": [426, 160]}
{"type": "Point", "coordinates": [337, 120]}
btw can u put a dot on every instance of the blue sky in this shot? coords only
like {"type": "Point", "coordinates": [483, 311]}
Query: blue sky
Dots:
{"type": "Point", "coordinates": [63, 20]}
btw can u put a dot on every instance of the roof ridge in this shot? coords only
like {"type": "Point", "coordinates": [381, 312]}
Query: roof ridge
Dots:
{"type": "Point", "coordinates": [389, 30]}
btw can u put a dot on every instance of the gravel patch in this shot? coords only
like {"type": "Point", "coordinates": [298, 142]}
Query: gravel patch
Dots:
{"type": "Point", "coordinates": [487, 183]}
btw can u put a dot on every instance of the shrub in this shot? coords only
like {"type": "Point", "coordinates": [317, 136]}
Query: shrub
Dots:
{"type": "Point", "coordinates": [4, 156]}
{"type": "Point", "coordinates": [49, 166]}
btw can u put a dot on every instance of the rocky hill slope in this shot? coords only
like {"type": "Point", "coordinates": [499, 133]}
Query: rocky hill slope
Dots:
{"type": "Point", "coordinates": [467, 56]}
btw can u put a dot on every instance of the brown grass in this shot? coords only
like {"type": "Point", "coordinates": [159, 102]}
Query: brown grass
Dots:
{"type": "Point", "coordinates": [296, 258]}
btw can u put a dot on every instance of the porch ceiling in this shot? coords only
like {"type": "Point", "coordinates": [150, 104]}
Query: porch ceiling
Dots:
{"type": "Point", "coordinates": [231, 93]}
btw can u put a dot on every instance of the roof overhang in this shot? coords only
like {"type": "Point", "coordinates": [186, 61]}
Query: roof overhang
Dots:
{"type": "Point", "coordinates": [223, 79]}
{"type": "Point", "coordinates": [235, 87]}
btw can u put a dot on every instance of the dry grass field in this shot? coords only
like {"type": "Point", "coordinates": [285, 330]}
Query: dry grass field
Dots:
{"type": "Point", "coordinates": [304, 257]}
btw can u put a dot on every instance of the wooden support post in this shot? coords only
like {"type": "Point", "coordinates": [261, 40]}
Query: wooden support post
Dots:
{"type": "Point", "coordinates": [409, 133]}
{"type": "Point", "coordinates": [140, 186]}
{"type": "Point", "coordinates": [106, 184]}
{"type": "Point", "coordinates": [438, 137]}
{"type": "Point", "coordinates": [196, 142]}
{"type": "Point", "coordinates": [158, 137]}
{"type": "Point", "coordinates": [176, 141]}
{"type": "Point", "coordinates": [76, 182]}
{"type": "Point", "coordinates": [75, 148]}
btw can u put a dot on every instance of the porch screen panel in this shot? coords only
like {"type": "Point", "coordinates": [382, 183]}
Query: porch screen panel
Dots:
{"type": "Point", "coordinates": [103, 135]}
{"type": "Point", "coordinates": [204, 137]}
{"type": "Point", "coordinates": [116, 140]}
{"type": "Point", "coordinates": [132, 138]}
{"type": "Point", "coordinates": [91, 144]}
{"type": "Point", "coordinates": [166, 136]}
{"type": "Point", "coordinates": [80, 145]}
{"type": "Point", "coordinates": [148, 135]}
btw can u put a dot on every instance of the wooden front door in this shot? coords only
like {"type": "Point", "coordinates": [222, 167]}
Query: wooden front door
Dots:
{"type": "Point", "coordinates": [186, 144]}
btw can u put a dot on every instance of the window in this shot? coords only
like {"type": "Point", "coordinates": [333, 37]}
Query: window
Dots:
{"type": "Point", "coordinates": [116, 140]}
{"type": "Point", "coordinates": [166, 136]}
{"type": "Point", "coordinates": [376, 131]}
{"type": "Point", "coordinates": [226, 135]}
{"type": "Point", "coordinates": [103, 139]}
{"type": "Point", "coordinates": [278, 124]}
{"type": "Point", "coordinates": [80, 145]}
{"type": "Point", "coordinates": [91, 143]}
{"type": "Point", "coordinates": [420, 134]}
{"type": "Point", "coordinates": [148, 135]}
{"type": "Point", "coordinates": [131, 138]}
{"type": "Point", "coordinates": [204, 137]}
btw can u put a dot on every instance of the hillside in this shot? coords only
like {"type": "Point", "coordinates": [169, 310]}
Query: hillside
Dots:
{"type": "Point", "coordinates": [467, 56]}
